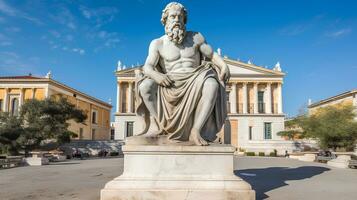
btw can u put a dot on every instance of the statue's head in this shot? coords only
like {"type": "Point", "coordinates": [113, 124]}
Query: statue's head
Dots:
{"type": "Point", "coordinates": [174, 18]}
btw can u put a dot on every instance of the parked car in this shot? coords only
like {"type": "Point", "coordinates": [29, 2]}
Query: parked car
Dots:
{"type": "Point", "coordinates": [325, 156]}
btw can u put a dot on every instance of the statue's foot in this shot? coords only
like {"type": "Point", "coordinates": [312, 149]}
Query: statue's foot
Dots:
{"type": "Point", "coordinates": [197, 139]}
{"type": "Point", "coordinates": [152, 133]}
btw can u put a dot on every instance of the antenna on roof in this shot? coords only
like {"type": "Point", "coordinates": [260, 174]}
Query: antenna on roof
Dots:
{"type": "Point", "coordinates": [309, 102]}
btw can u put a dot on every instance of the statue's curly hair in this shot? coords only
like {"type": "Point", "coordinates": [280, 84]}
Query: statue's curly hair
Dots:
{"type": "Point", "coordinates": [170, 6]}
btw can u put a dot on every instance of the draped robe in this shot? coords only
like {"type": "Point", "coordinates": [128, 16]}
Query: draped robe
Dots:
{"type": "Point", "coordinates": [176, 105]}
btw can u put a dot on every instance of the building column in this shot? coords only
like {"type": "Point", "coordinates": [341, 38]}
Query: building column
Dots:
{"type": "Point", "coordinates": [233, 98]}
{"type": "Point", "coordinates": [268, 99]}
{"type": "Point", "coordinates": [245, 103]}
{"type": "Point", "coordinates": [280, 99]}
{"type": "Point", "coordinates": [130, 97]}
{"type": "Point", "coordinates": [6, 100]}
{"type": "Point", "coordinates": [21, 97]}
{"type": "Point", "coordinates": [33, 92]}
{"type": "Point", "coordinates": [118, 97]}
{"type": "Point", "coordinates": [255, 95]}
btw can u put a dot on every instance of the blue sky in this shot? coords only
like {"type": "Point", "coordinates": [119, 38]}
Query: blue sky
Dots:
{"type": "Point", "coordinates": [81, 41]}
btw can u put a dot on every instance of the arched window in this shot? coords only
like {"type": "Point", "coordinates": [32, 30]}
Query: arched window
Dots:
{"type": "Point", "coordinates": [15, 106]}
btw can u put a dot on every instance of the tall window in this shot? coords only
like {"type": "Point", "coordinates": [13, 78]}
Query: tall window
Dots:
{"type": "Point", "coordinates": [15, 106]}
{"type": "Point", "coordinates": [267, 130]}
{"type": "Point", "coordinates": [93, 134]}
{"type": "Point", "coordinates": [80, 133]}
{"type": "Point", "coordinates": [94, 117]}
{"type": "Point", "coordinates": [1, 104]}
{"type": "Point", "coordinates": [250, 133]}
{"type": "Point", "coordinates": [112, 134]}
{"type": "Point", "coordinates": [261, 101]}
{"type": "Point", "coordinates": [129, 129]}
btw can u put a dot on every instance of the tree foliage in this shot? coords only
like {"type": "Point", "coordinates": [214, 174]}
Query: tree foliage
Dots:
{"type": "Point", "coordinates": [40, 120]}
{"type": "Point", "coordinates": [10, 132]}
{"type": "Point", "coordinates": [292, 129]}
{"type": "Point", "coordinates": [333, 126]}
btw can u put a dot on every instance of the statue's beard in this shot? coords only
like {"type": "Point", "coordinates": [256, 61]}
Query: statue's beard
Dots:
{"type": "Point", "coordinates": [175, 32]}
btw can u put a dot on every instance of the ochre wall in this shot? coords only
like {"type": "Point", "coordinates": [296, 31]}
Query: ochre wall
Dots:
{"type": "Point", "coordinates": [2, 93]}
{"type": "Point", "coordinates": [102, 127]}
{"type": "Point", "coordinates": [39, 93]}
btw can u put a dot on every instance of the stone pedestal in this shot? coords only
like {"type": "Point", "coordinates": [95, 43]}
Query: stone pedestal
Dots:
{"type": "Point", "coordinates": [308, 157]}
{"type": "Point", "coordinates": [36, 161]}
{"type": "Point", "coordinates": [341, 161]}
{"type": "Point", "coordinates": [177, 173]}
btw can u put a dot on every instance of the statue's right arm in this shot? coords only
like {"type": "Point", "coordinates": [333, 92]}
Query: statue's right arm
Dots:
{"type": "Point", "coordinates": [151, 62]}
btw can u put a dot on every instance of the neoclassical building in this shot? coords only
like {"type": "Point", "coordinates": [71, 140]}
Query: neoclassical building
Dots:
{"type": "Point", "coordinates": [347, 98]}
{"type": "Point", "coordinates": [255, 107]}
{"type": "Point", "coordinates": [15, 90]}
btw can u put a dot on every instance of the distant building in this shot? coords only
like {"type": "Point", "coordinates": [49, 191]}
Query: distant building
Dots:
{"type": "Point", "coordinates": [255, 107]}
{"type": "Point", "coordinates": [349, 97]}
{"type": "Point", "coordinates": [14, 90]}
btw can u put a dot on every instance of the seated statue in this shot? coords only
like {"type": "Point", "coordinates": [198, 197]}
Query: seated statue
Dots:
{"type": "Point", "coordinates": [182, 91]}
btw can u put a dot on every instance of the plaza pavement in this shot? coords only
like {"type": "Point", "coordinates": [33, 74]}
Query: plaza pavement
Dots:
{"type": "Point", "coordinates": [272, 178]}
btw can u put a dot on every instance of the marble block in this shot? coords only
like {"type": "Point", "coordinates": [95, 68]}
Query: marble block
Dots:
{"type": "Point", "coordinates": [176, 173]}
{"type": "Point", "coordinates": [341, 161]}
{"type": "Point", "coordinates": [36, 161]}
{"type": "Point", "coordinates": [308, 157]}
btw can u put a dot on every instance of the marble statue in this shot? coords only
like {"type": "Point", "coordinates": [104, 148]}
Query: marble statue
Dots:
{"type": "Point", "coordinates": [182, 91]}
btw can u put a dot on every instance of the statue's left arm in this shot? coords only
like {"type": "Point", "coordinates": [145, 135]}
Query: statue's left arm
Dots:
{"type": "Point", "coordinates": [208, 52]}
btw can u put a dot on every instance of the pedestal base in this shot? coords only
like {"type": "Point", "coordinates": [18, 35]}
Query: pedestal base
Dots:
{"type": "Point", "coordinates": [178, 173]}
{"type": "Point", "coordinates": [341, 161]}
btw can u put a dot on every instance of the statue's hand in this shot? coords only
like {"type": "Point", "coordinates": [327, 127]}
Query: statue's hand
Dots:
{"type": "Point", "coordinates": [225, 75]}
{"type": "Point", "coordinates": [163, 80]}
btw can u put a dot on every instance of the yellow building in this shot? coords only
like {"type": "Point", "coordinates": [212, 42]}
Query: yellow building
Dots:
{"type": "Point", "coordinates": [345, 98]}
{"type": "Point", "coordinates": [14, 90]}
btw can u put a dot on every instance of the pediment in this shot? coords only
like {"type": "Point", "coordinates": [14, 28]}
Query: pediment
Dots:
{"type": "Point", "coordinates": [240, 68]}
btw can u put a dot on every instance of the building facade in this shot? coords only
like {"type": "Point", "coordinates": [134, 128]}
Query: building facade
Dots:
{"type": "Point", "coordinates": [348, 98]}
{"type": "Point", "coordinates": [255, 107]}
{"type": "Point", "coordinates": [15, 90]}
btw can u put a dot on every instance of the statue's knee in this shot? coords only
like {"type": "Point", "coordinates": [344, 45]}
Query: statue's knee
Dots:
{"type": "Point", "coordinates": [146, 87]}
{"type": "Point", "coordinates": [211, 84]}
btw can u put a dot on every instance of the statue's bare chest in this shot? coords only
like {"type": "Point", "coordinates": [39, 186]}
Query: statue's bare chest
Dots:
{"type": "Point", "coordinates": [171, 53]}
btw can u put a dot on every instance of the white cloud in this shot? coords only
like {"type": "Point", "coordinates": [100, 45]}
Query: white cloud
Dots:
{"type": "Point", "coordinates": [65, 17]}
{"type": "Point", "coordinates": [5, 43]}
{"type": "Point", "coordinates": [13, 29]}
{"type": "Point", "coordinates": [6, 9]}
{"type": "Point", "coordinates": [79, 50]}
{"type": "Point", "coordinates": [69, 37]}
{"type": "Point", "coordinates": [12, 63]}
{"type": "Point", "coordinates": [100, 16]}
{"type": "Point", "coordinates": [10, 11]}
{"type": "Point", "coordinates": [339, 33]}
{"type": "Point", "coordinates": [55, 34]}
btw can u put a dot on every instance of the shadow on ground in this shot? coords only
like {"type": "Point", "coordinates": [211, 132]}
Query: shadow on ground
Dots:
{"type": "Point", "coordinates": [264, 180]}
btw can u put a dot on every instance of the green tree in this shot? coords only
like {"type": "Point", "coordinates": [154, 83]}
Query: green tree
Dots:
{"type": "Point", "coordinates": [292, 129]}
{"type": "Point", "coordinates": [333, 126]}
{"type": "Point", "coordinates": [39, 121]}
{"type": "Point", "coordinates": [10, 132]}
